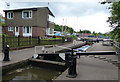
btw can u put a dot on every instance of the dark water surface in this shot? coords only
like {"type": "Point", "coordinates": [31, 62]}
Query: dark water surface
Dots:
{"type": "Point", "coordinates": [31, 73]}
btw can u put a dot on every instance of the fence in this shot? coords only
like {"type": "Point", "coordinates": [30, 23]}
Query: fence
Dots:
{"type": "Point", "coordinates": [21, 42]}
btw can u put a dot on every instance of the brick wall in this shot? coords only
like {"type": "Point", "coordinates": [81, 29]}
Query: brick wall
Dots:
{"type": "Point", "coordinates": [5, 30]}
{"type": "Point", "coordinates": [38, 31]}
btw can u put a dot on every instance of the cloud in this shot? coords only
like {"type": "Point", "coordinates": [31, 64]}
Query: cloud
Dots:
{"type": "Point", "coordinates": [80, 14]}
{"type": "Point", "coordinates": [50, 0]}
{"type": "Point", "coordinates": [77, 8]}
{"type": "Point", "coordinates": [80, 8]}
{"type": "Point", "coordinates": [96, 22]}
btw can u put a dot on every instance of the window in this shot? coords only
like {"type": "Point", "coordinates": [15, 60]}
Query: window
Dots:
{"type": "Point", "coordinates": [10, 15]}
{"type": "Point", "coordinates": [27, 29]}
{"type": "Point", "coordinates": [10, 28]}
{"type": "Point", "coordinates": [27, 14]}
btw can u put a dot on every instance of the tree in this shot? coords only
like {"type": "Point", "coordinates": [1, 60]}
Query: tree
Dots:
{"type": "Point", "coordinates": [65, 28]}
{"type": "Point", "coordinates": [0, 20]}
{"type": "Point", "coordinates": [84, 31]}
{"type": "Point", "coordinates": [3, 24]}
{"type": "Point", "coordinates": [94, 33]}
{"type": "Point", "coordinates": [115, 34]}
{"type": "Point", "coordinates": [114, 21]}
{"type": "Point", "coordinates": [57, 27]}
{"type": "Point", "coordinates": [71, 30]}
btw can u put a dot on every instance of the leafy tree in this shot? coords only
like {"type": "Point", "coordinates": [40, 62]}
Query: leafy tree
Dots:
{"type": "Point", "coordinates": [114, 21]}
{"type": "Point", "coordinates": [115, 34]}
{"type": "Point", "coordinates": [93, 32]}
{"type": "Point", "coordinates": [71, 30]}
{"type": "Point", "coordinates": [3, 24]}
{"type": "Point", "coordinates": [84, 31]}
{"type": "Point", "coordinates": [65, 28]}
{"type": "Point", "coordinates": [0, 21]}
{"type": "Point", "coordinates": [57, 28]}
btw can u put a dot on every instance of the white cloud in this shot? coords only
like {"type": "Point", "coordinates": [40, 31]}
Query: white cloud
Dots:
{"type": "Point", "coordinates": [89, 1]}
{"type": "Point", "coordinates": [1, 11]}
{"type": "Point", "coordinates": [83, 14]}
{"type": "Point", "coordinates": [96, 22]}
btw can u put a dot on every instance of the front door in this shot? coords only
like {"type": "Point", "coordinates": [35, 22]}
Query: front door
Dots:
{"type": "Point", "coordinates": [16, 31]}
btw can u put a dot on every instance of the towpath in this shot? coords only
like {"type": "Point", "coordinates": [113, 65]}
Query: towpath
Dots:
{"type": "Point", "coordinates": [90, 68]}
{"type": "Point", "coordinates": [100, 47]}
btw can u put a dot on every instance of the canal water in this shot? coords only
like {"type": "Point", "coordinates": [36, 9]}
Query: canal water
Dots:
{"type": "Point", "coordinates": [31, 73]}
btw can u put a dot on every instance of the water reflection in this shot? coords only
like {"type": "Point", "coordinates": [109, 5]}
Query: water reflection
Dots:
{"type": "Point", "coordinates": [31, 73]}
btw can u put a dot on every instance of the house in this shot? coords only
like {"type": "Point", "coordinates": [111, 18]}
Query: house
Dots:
{"type": "Point", "coordinates": [28, 21]}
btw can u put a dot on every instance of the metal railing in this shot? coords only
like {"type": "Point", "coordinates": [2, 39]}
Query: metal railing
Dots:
{"type": "Point", "coordinates": [117, 46]}
{"type": "Point", "coordinates": [44, 49]}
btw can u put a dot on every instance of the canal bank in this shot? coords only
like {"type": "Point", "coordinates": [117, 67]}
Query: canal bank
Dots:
{"type": "Point", "coordinates": [91, 68]}
{"type": "Point", "coordinates": [20, 58]}
{"type": "Point", "coordinates": [100, 47]}
{"type": "Point", "coordinates": [24, 54]}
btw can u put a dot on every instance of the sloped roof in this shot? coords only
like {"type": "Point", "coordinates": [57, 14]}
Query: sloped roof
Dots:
{"type": "Point", "coordinates": [33, 8]}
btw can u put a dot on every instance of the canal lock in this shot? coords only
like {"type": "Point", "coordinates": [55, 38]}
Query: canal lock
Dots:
{"type": "Point", "coordinates": [32, 70]}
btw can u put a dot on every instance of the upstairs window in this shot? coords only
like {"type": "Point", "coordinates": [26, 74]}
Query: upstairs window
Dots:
{"type": "Point", "coordinates": [10, 15]}
{"type": "Point", "coordinates": [26, 14]}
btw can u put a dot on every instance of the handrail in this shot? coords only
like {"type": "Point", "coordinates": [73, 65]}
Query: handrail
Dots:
{"type": "Point", "coordinates": [117, 46]}
{"type": "Point", "coordinates": [54, 49]}
{"type": "Point", "coordinates": [63, 47]}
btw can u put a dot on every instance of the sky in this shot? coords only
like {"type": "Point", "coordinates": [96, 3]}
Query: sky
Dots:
{"type": "Point", "coordinates": [78, 14]}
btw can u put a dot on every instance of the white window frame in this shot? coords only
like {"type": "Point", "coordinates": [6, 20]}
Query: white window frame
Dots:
{"type": "Point", "coordinates": [9, 15]}
{"type": "Point", "coordinates": [10, 28]}
{"type": "Point", "coordinates": [25, 33]}
{"type": "Point", "coordinates": [30, 15]}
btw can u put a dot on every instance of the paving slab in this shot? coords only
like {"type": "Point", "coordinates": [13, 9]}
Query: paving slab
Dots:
{"type": "Point", "coordinates": [92, 69]}
{"type": "Point", "coordinates": [100, 47]}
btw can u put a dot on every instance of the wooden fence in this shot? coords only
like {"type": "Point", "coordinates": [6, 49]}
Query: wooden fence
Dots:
{"type": "Point", "coordinates": [22, 42]}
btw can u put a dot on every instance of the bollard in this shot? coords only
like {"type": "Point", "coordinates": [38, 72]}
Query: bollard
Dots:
{"type": "Point", "coordinates": [72, 66]}
{"type": "Point", "coordinates": [6, 53]}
